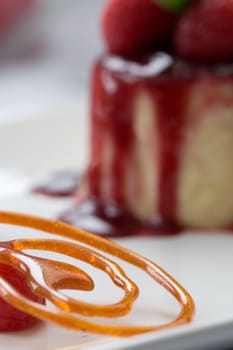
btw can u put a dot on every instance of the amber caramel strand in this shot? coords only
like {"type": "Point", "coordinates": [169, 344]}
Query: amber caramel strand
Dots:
{"type": "Point", "coordinates": [116, 273]}
{"type": "Point", "coordinates": [93, 258]}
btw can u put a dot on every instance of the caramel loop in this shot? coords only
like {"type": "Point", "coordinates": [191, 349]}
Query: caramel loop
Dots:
{"type": "Point", "coordinates": [87, 255]}
{"type": "Point", "coordinates": [67, 319]}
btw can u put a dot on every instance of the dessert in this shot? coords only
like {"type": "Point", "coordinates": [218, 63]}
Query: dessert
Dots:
{"type": "Point", "coordinates": [162, 120]}
{"type": "Point", "coordinates": [47, 277]}
{"type": "Point", "coordinates": [153, 138]}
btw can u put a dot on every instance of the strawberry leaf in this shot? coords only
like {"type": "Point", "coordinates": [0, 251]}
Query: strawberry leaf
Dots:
{"type": "Point", "coordinates": [174, 5]}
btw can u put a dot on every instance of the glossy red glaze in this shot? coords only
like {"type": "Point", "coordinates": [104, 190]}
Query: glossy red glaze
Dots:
{"type": "Point", "coordinates": [59, 184]}
{"type": "Point", "coordinates": [111, 221]}
{"type": "Point", "coordinates": [115, 84]}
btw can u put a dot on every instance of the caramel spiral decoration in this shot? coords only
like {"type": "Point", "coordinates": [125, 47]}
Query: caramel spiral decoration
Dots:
{"type": "Point", "coordinates": [47, 277]}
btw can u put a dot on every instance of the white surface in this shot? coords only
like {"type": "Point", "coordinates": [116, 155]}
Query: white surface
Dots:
{"type": "Point", "coordinates": [201, 262]}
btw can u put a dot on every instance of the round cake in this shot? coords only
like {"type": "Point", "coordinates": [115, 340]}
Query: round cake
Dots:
{"type": "Point", "coordinates": [162, 140]}
{"type": "Point", "coordinates": [162, 119]}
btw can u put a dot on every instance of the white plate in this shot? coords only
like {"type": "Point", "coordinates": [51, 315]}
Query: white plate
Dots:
{"type": "Point", "coordinates": [201, 262]}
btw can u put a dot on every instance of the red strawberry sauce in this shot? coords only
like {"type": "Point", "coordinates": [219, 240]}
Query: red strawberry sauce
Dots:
{"type": "Point", "coordinates": [115, 83]}
{"type": "Point", "coordinates": [114, 113]}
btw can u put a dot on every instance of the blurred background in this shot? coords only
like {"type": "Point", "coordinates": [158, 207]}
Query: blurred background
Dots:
{"type": "Point", "coordinates": [46, 51]}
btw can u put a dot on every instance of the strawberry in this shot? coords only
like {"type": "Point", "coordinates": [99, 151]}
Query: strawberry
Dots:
{"type": "Point", "coordinates": [205, 32]}
{"type": "Point", "coordinates": [132, 27]}
{"type": "Point", "coordinates": [12, 319]}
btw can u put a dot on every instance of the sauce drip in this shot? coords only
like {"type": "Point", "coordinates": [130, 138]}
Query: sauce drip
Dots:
{"type": "Point", "coordinates": [47, 277]}
{"type": "Point", "coordinates": [111, 221]}
{"type": "Point", "coordinates": [115, 84]}
{"type": "Point", "coordinates": [58, 184]}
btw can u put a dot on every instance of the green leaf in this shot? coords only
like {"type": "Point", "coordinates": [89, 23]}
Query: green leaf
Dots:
{"type": "Point", "coordinates": [174, 5]}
